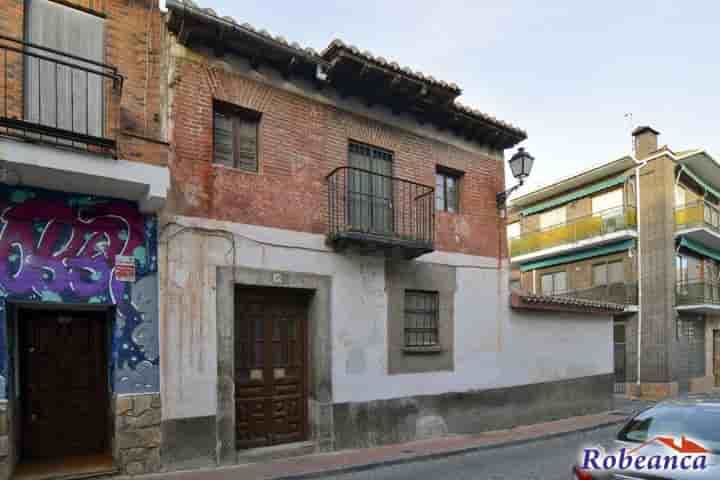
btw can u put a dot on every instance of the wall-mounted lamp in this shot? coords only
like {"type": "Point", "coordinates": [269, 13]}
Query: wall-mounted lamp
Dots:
{"type": "Point", "coordinates": [520, 164]}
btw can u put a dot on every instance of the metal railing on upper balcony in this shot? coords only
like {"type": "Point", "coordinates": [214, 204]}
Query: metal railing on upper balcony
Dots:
{"type": "Point", "coordinates": [697, 214]}
{"type": "Point", "coordinates": [582, 228]}
{"type": "Point", "coordinates": [55, 97]}
{"type": "Point", "coordinates": [697, 292]}
{"type": "Point", "coordinates": [364, 205]}
{"type": "Point", "coordinates": [620, 293]}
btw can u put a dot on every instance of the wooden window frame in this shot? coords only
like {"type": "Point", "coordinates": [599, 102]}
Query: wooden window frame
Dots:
{"type": "Point", "coordinates": [433, 330]}
{"type": "Point", "coordinates": [248, 115]}
{"type": "Point", "coordinates": [445, 173]}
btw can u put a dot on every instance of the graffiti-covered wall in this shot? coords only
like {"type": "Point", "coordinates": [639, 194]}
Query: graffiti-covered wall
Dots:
{"type": "Point", "coordinates": [59, 247]}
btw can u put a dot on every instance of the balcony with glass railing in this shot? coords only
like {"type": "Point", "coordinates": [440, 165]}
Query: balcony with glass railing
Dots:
{"type": "Point", "coordinates": [611, 222]}
{"type": "Point", "coordinates": [699, 221]}
{"type": "Point", "coordinates": [699, 295]}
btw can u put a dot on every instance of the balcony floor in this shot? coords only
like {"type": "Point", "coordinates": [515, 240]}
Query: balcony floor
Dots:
{"type": "Point", "coordinates": [701, 234]}
{"type": "Point", "coordinates": [373, 244]}
{"type": "Point", "coordinates": [570, 247]}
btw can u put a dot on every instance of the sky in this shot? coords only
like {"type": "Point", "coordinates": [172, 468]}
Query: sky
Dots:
{"type": "Point", "coordinates": [567, 72]}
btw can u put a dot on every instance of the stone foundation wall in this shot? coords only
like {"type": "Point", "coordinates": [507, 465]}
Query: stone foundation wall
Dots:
{"type": "Point", "coordinates": [137, 434]}
{"type": "Point", "coordinates": [5, 453]}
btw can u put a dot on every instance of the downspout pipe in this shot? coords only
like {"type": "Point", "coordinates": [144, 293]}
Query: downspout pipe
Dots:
{"type": "Point", "coordinates": [638, 166]}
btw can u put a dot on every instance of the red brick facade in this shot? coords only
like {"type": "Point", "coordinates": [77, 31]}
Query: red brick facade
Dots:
{"type": "Point", "coordinates": [133, 32]}
{"type": "Point", "coordinates": [300, 142]}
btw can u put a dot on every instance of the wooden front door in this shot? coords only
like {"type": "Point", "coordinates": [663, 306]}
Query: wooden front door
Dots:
{"type": "Point", "coordinates": [64, 386]}
{"type": "Point", "coordinates": [716, 356]}
{"type": "Point", "coordinates": [270, 366]}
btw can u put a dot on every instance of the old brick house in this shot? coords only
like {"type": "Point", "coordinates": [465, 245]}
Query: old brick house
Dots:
{"type": "Point", "coordinates": [333, 264]}
{"type": "Point", "coordinates": [83, 172]}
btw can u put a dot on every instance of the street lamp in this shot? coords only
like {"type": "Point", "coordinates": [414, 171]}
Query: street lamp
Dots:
{"type": "Point", "coordinates": [520, 165]}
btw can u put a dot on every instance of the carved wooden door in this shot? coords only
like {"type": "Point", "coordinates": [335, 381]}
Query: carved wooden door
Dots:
{"type": "Point", "coordinates": [270, 367]}
{"type": "Point", "coordinates": [64, 389]}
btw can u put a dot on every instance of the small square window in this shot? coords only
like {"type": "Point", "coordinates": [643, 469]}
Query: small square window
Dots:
{"type": "Point", "coordinates": [235, 134]}
{"type": "Point", "coordinates": [447, 190]}
{"type": "Point", "coordinates": [421, 319]}
{"type": "Point", "coordinates": [554, 283]}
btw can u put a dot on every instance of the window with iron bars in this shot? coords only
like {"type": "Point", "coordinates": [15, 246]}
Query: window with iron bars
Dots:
{"type": "Point", "coordinates": [421, 319]}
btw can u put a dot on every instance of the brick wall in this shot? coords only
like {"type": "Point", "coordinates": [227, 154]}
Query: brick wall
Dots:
{"type": "Point", "coordinates": [300, 142]}
{"type": "Point", "coordinates": [133, 32]}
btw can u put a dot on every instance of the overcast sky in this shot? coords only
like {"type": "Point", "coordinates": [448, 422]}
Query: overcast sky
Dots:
{"type": "Point", "coordinates": [565, 71]}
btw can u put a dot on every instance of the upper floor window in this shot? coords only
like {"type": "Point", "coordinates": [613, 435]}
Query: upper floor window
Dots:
{"type": "Point", "coordinates": [553, 217]}
{"type": "Point", "coordinates": [554, 283]}
{"type": "Point", "coordinates": [236, 137]}
{"type": "Point", "coordinates": [513, 230]}
{"type": "Point", "coordinates": [447, 190]}
{"type": "Point", "coordinates": [421, 319]}
{"type": "Point", "coordinates": [608, 273]}
{"type": "Point", "coordinates": [608, 202]}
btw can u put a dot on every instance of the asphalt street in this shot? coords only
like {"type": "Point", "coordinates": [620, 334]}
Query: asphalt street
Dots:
{"type": "Point", "coordinates": [543, 460]}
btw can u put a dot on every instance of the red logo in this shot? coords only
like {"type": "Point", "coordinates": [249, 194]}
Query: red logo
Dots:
{"type": "Point", "coordinates": [686, 446]}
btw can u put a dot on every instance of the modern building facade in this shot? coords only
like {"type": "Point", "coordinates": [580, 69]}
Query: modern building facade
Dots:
{"type": "Point", "coordinates": [83, 173]}
{"type": "Point", "coordinates": [333, 262]}
{"type": "Point", "coordinates": [654, 249]}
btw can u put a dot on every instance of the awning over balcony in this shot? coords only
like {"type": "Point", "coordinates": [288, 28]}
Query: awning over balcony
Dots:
{"type": "Point", "coordinates": [699, 181]}
{"type": "Point", "coordinates": [574, 257]}
{"type": "Point", "coordinates": [698, 247]}
{"type": "Point", "coordinates": [556, 202]}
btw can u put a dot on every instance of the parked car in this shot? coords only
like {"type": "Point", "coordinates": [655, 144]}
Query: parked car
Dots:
{"type": "Point", "coordinates": [674, 440]}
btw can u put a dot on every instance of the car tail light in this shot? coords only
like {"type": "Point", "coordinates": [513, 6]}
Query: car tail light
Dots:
{"type": "Point", "coordinates": [581, 474]}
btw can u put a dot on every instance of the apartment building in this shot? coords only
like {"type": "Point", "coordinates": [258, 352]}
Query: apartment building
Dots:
{"type": "Point", "coordinates": [83, 173]}
{"type": "Point", "coordinates": [653, 249]}
{"type": "Point", "coordinates": [333, 264]}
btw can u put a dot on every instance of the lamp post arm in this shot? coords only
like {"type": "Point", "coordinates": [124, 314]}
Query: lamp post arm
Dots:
{"type": "Point", "coordinates": [502, 197]}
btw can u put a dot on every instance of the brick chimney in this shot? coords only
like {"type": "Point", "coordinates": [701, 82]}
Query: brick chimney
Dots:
{"type": "Point", "coordinates": [646, 141]}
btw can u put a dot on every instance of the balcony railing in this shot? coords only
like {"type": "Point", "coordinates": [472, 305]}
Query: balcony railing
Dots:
{"type": "Point", "coordinates": [697, 292]}
{"type": "Point", "coordinates": [380, 212]}
{"type": "Point", "coordinates": [55, 97]}
{"type": "Point", "coordinates": [697, 214]}
{"type": "Point", "coordinates": [601, 223]}
{"type": "Point", "coordinates": [620, 293]}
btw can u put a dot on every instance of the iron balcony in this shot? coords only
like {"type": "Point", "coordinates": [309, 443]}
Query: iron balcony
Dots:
{"type": "Point", "coordinates": [54, 97]}
{"type": "Point", "coordinates": [373, 213]}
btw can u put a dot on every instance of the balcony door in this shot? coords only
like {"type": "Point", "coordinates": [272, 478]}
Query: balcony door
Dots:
{"type": "Point", "coordinates": [370, 195]}
{"type": "Point", "coordinates": [60, 91]}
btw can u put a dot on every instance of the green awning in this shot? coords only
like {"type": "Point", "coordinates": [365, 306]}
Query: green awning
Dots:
{"type": "Point", "coordinates": [698, 247]}
{"type": "Point", "coordinates": [574, 257]}
{"type": "Point", "coordinates": [699, 181]}
{"type": "Point", "coordinates": [556, 202]}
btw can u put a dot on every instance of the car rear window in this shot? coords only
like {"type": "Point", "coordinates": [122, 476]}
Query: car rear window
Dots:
{"type": "Point", "coordinates": [697, 422]}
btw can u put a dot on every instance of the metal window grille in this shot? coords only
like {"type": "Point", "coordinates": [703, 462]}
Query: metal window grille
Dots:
{"type": "Point", "coordinates": [421, 319]}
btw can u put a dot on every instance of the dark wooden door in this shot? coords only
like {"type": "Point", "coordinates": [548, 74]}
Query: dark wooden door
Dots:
{"type": "Point", "coordinates": [64, 383]}
{"type": "Point", "coordinates": [270, 367]}
{"type": "Point", "coordinates": [716, 356]}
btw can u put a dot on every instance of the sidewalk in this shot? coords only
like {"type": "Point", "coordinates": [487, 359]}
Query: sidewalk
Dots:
{"type": "Point", "coordinates": [317, 465]}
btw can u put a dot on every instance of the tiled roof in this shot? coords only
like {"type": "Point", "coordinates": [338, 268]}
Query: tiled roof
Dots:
{"type": "Point", "coordinates": [246, 26]}
{"type": "Point", "coordinates": [521, 299]}
{"type": "Point", "coordinates": [391, 65]}
{"type": "Point", "coordinates": [367, 56]}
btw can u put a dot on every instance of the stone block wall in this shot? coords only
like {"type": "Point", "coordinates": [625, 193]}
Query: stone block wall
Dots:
{"type": "Point", "coordinates": [137, 434]}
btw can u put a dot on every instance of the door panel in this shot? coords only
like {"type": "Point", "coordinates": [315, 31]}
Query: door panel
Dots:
{"type": "Point", "coordinates": [370, 196]}
{"type": "Point", "coordinates": [270, 367]}
{"type": "Point", "coordinates": [64, 384]}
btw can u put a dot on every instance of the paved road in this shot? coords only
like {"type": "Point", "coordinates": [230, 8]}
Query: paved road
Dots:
{"type": "Point", "coordinates": [548, 460]}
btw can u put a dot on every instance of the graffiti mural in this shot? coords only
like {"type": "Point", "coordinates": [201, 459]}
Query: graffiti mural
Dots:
{"type": "Point", "coordinates": [57, 247]}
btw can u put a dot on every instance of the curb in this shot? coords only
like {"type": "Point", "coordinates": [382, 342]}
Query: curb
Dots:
{"type": "Point", "coordinates": [444, 454]}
